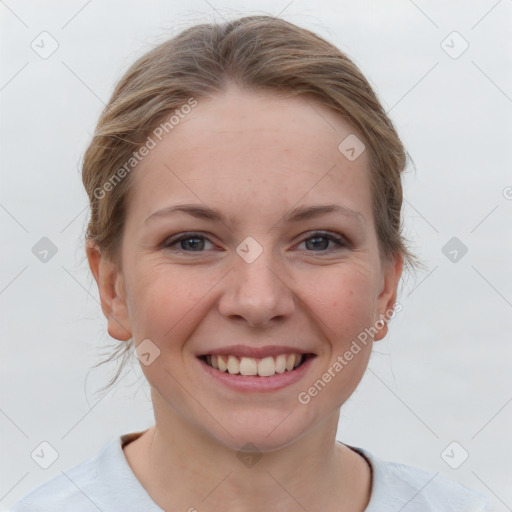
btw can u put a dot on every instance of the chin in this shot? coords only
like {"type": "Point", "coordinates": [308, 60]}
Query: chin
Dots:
{"type": "Point", "coordinates": [266, 431]}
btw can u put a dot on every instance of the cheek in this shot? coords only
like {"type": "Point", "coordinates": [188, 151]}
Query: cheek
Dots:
{"type": "Point", "coordinates": [343, 300]}
{"type": "Point", "coordinates": [344, 305]}
{"type": "Point", "coordinates": [164, 302]}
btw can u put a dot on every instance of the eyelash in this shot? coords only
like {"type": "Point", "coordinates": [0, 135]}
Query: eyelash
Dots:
{"type": "Point", "coordinates": [340, 240]}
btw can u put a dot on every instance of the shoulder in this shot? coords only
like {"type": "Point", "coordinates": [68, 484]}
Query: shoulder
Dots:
{"type": "Point", "coordinates": [68, 491]}
{"type": "Point", "coordinates": [398, 486]}
{"type": "Point", "coordinates": [104, 482]}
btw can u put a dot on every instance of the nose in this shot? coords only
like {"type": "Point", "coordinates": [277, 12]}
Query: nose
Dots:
{"type": "Point", "coordinates": [257, 293]}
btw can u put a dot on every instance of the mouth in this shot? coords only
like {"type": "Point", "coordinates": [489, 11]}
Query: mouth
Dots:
{"type": "Point", "coordinates": [255, 366]}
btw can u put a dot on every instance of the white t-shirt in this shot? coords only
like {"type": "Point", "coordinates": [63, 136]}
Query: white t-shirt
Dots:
{"type": "Point", "coordinates": [106, 483]}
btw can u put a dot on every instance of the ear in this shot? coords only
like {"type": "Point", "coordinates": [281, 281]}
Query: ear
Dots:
{"type": "Point", "coordinates": [112, 292]}
{"type": "Point", "coordinates": [392, 270]}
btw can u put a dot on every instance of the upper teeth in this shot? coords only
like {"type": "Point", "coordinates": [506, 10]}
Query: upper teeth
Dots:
{"type": "Point", "coordinates": [264, 367]}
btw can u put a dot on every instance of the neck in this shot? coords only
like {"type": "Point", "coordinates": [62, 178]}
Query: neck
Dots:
{"type": "Point", "coordinates": [183, 469]}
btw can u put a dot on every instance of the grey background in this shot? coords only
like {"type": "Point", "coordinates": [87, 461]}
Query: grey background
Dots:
{"type": "Point", "coordinates": [443, 372]}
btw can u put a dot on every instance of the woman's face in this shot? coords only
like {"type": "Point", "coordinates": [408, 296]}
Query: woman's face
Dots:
{"type": "Point", "coordinates": [249, 281]}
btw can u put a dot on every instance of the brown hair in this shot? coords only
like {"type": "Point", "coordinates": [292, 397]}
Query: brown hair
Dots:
{"type": "Point", "coordinates": [255, 52]}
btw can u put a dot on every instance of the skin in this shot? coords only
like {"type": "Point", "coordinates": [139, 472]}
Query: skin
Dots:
{"type": "Point", "coordinates": [254, 156]}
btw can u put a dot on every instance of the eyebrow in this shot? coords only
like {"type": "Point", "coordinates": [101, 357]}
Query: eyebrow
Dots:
{"type": "Point", "coordinates": [298, 214]}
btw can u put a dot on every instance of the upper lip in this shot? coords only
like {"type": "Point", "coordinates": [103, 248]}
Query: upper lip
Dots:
{"type": "Point", "coordinates": [257, 352]}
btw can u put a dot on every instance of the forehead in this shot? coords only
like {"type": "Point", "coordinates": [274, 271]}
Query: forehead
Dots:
{"type": "Point", "coordinates": [259, 146]}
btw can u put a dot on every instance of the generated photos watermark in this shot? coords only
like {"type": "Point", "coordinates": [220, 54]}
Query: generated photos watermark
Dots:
{"type": "Point", "coordinates": [342, 360]}
{"type": "Point", "coordinates": [152, 141]}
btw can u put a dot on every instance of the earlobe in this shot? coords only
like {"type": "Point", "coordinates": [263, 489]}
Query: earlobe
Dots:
{"type": "Point", "coordinates": [112, 292]}
{"type": "Point", "coordinates": [387, 298]}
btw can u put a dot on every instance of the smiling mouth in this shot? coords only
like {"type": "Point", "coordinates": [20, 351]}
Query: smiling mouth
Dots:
{"type": "Point", "coordinates": [262, 367]}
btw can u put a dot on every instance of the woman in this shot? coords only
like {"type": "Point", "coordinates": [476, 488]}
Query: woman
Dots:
{"type": "Point", "coordinates": [245, 237]}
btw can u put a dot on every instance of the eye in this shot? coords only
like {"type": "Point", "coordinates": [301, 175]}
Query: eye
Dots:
{"type": "Point", "coordinates": [188, 242]}
{"type": "Point", "coordinates": [319, 241]}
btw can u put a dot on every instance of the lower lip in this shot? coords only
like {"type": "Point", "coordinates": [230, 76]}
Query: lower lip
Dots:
{"type": "Point", "coordinates": [253, 383]}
